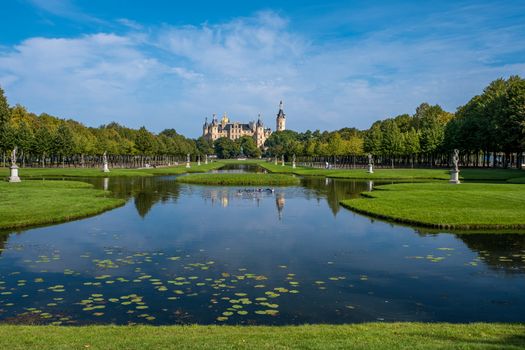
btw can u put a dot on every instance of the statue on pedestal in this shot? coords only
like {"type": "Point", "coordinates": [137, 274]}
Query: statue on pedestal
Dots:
{"type": "Point", "coordinates": [13, 169]}
{"type": "Point", "coordinates": [188, 161]}
{"type": "Point", "coordinates": [282, 160]}
{"type": "Point", "coordinates": [293, 161]}
{"type": "Point", "coordinates": [105, 162]}
{"type": "Point", "coordinates": [370, 164]}
{"type": "Point", "coordinates": [454, 173]}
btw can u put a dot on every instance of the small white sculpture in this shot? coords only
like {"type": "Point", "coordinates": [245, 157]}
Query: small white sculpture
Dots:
{"type": "Point", "coordinates": [454, 173]}
{"type": "Point", "coordinates": [13, 173]}
{"type": "Point", "coordinates": [370, 164]}
{"type": "Point", "coordinates": [105, 161]}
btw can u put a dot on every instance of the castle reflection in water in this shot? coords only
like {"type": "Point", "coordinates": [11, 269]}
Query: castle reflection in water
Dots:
{"type": "Point", "coordinates": [226, 197]}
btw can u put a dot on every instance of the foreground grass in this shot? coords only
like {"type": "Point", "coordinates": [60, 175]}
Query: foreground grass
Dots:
{"type": "Point", "coordinates": [442, 205]}
{"type": "Point", "coordinates": [115, 172]}
{"type": "Point", "coordinates": [400, 174]}
{"type": "Point", "coordinates": [228, 179]}
{"type": "Point", "coordinates": [44, 202]}
{"type": "Point", "coordinates": [357, 336]}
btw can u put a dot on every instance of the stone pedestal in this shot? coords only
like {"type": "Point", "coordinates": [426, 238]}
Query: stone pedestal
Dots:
{"type": "Point", "coordinates": [293, 165]}
{"type": "Point", "coordinates": [370, 169]}
{"type": "Point", "coordinates": [105, 168]}
{"type": "Point", "coordinates": [206, 159]}
{"type": "Point", "coordinates": [188, 165]}
{"type": "Point", "coordinates": [454, 177]}
{"type": "Point", "coordinates": [275, 161]}
{"type": "Point", "coordinates": [199, 161]}
{"type": "Point", "coordinates": [13, 176]}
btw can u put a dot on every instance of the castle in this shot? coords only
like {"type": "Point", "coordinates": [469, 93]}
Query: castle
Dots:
{"type": "Point", "coordinates": [234, 130]}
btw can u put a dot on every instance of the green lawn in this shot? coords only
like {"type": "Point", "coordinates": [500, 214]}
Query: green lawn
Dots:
{"type": "Point", "coordinates": [371, 336]}
{"type": "Point", "coordinates": [227, 179]}
{"type": "Point", "coordinates": [35, 202]}
{"type": "Point", "coordinates": [442, 205]}
{"type": "Point", "coordinates": [399, 174]}
{"type": "Point", "coordinates": [91, 172]}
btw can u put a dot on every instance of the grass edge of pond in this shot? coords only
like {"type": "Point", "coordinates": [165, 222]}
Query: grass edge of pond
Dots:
{"type": "Point", "coordinates": [241, 179]}
{"type": "Point", "coordinates": [348, 336]}
{"type": "Point", "coordinates": [34, 203]}
{"type": "Point", "coordinates": [397, 203]}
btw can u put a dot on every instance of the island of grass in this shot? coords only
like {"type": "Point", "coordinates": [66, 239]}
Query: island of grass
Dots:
{"type": "Point", "coordinates": [114, 172]}
{"type": "Point", "coordinates": [242, 179]}
{"type": "Point", "coordinates": [468, 206]}
{"type": "Point", "coordinates": [473, 174]}
{"type": "Point", "coordinates": [356, 336]}
{"type": "Point", "coordinates": [35, 202]}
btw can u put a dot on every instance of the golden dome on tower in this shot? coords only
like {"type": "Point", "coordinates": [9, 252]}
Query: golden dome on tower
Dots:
{"type": "Point", "coordinates": [225, 119]}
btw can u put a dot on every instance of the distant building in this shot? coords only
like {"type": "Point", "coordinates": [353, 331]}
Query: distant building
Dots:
{"type": "Point", "coordinates": [234, 130]}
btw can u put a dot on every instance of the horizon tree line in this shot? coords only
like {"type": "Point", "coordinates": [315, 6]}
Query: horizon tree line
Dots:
{"type": "Point", "coordinates": [489, 130]}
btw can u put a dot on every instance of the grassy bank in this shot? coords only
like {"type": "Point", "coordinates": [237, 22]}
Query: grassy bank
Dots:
{"type": "Point", "coordinates": [91, 172]}
{"type": "Point", "coordinates": [399, 174]}
{"type": "Point", "coordinates": [244, 179]}
{"type": "Point", "coordinates": [441, 205]}
{"type": "Point", "coordinates": [359, 336]}
{"type": "Point", "coordinates": [44, 202]}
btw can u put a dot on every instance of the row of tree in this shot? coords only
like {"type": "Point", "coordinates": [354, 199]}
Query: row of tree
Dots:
{"type": "Point", "coordinates": [489, 131]}
{"type": "Point", "coordinates": [47, 140]}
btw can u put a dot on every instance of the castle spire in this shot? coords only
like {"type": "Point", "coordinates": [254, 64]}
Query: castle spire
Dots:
{"type": "Point", "coordinates": [281, 118]}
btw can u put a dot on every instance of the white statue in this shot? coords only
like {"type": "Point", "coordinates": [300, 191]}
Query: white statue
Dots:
{"type": "Point", "coordinates": [188, 161]}
{"type": "Point", "coordinates": [454, 173]}
{"type": "Point", "coordinates": [105, 162]}
{"type": "Point", "coordinates": [13, 173]}
{"type": "Point", "coordinates": [370, 164]}
{"type": "Point", "coordinates": [293, 161]}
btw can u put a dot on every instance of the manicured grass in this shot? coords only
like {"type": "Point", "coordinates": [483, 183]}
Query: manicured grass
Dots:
{"type": "Point", "coordinates": [442, 205]}
{"type": "Point", "coordinates": [35, 202]}
{"type": "Point", "coordinates": [399, 174]}
{"type": "Point", "coordinates": [258, 179]}
{"type": "Point", "coordinates": [91, 172]}
{"type": "Point", "coordinates": [372, 336]}
{"type": "Point", "coordinates": [517, 180]}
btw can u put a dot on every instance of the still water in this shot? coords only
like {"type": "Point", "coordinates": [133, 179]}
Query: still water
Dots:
{"type": "Point", "coordinates": [178, 254]}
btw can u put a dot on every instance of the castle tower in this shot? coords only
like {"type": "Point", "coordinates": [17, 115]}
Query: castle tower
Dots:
{"type": "Point", "coordinates": [281, 119]}
{"type": "Point", "coordinates": [205, 127]}
{"type": "Point", "coordinates": [259, 132]}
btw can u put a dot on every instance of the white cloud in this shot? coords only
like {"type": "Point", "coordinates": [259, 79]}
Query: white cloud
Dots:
{"type": "Point", "coordinates": [174, 76]}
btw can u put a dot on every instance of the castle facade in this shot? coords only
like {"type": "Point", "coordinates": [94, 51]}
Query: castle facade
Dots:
{"type": "Point", "coordinates": [234, 130]}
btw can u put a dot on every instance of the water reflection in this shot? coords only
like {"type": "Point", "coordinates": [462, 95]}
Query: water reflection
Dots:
{"type": "Point", "coordinates": [178, 253]}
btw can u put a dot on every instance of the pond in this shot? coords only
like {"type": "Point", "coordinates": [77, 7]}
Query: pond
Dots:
{"type": "Point", "coordinates": [179, 254]}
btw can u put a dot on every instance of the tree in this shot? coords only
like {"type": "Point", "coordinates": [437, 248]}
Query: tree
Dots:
{"type": "Point", "coordinates": [249, 147]}
{"type": "Point", "coordinates": [204, 145]}
{"type": "Point", "coordinates": [63, 141]}
{"type": "Point", "coordinates": [226, 148]}
{"type": "Point", "coordinates": [5, 112]}
{"type": "Point", "coordinates": [373, 139]}
{"type": "Point", "coordinates": [144, 142]}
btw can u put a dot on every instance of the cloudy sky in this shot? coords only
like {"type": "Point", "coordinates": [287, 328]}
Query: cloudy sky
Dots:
{"type": "Point", "coordinates": [170, 64]}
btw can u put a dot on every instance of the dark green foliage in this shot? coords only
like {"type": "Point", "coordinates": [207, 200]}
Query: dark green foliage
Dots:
{"type": "Point", "coordinates": [226, 148]}
{"type": "Point", "coordinates": [144, 142]}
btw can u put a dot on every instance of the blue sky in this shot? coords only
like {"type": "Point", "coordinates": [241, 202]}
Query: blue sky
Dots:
{"type": "Point", "coordinates": [170, 64]}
